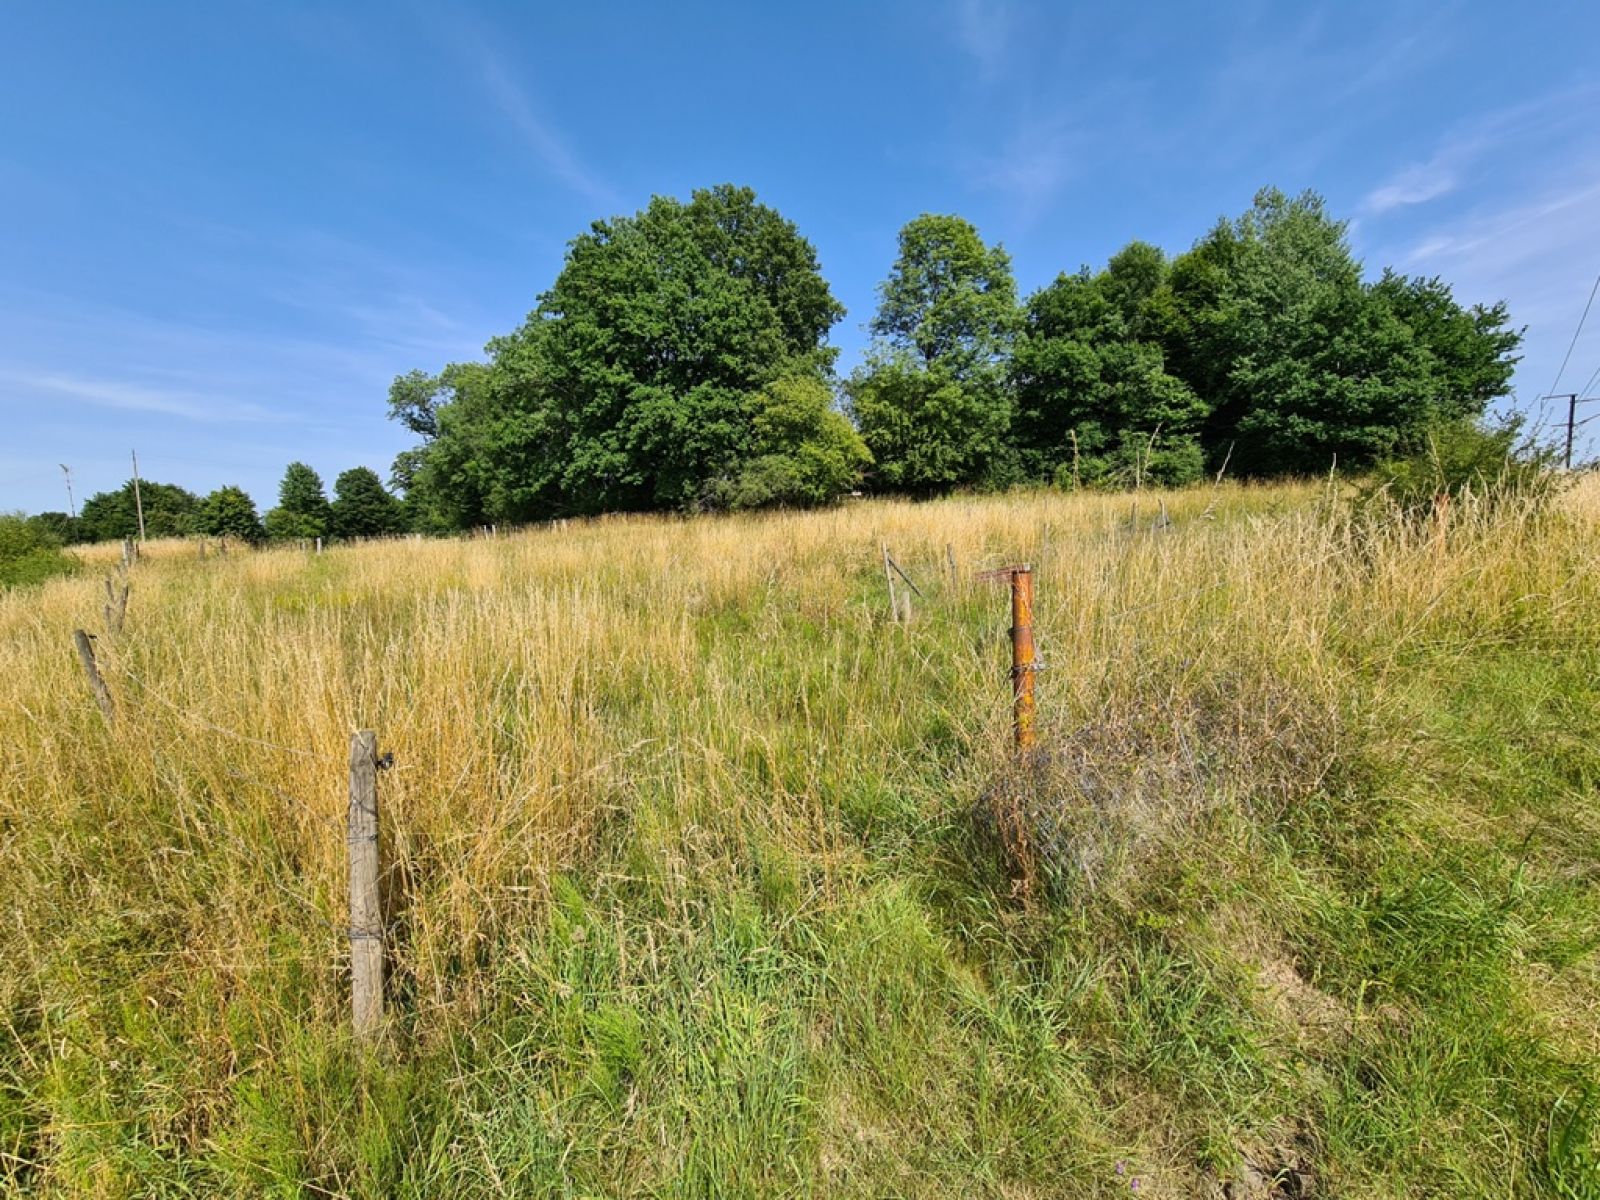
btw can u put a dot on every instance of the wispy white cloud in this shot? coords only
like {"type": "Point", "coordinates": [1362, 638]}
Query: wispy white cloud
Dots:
{"type": "Point", "coordinates": [983, 29]}
{"type": "Point", "coordinates": [129, 396]}
{"type": "Point", "coordinates": [1537, 253]}
{"type": "Point", "coordinates": [1464, 152]}
{"type": "Point", "coordinates": [1414, 185]}
{"type": "Point", "coordinates": [1031, 166]}
{"type": "Point", "coordinates": [540, 135]}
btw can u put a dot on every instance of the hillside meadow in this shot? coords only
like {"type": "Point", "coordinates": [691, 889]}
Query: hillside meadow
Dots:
{"type": "Point", "coordinates": [706, 878]}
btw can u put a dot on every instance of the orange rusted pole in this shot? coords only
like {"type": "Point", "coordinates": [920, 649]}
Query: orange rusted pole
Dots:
{"type": "Point", "coordinates": [1022, 657]}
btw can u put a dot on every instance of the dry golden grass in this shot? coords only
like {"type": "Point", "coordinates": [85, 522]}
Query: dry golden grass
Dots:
{"type": "Point", "coordinates": [645, 703]}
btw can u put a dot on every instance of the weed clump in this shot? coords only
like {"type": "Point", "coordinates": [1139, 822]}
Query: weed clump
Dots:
{"type": "Point", "coordinates": [1091, 809]}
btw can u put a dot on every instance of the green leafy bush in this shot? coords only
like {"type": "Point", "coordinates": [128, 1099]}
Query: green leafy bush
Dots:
{"type": "Point", "coordinates": [28, 554]}
{"type": "Point", "coordinates": [1492, 464]}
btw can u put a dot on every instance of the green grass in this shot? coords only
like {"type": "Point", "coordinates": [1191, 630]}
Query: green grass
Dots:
{"type": "Point", "coordinates": [1348, 937]}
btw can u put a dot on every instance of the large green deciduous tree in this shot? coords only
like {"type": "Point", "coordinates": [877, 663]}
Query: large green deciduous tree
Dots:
{"type": "Point", "coordinates": [632, 385]}
{"type": "Point", "coordinates": [229, 512]}
{"type": "Point", "coordinates": [303, 510]}
{"type": "Point", "coordinates": [1301, 362]}
{"type": "Point", "coordinates": [361, 507]}
{"type": "Point", "coordinates": [169, 511]}
{"type": "Point", "coordinates": [932, 400]}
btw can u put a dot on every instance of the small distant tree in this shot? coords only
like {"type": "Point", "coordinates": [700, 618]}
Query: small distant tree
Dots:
{"type": "Point", "coordinates": [229, 512]}
{"type": "Point", "coordinates": [303, 510]}
{"type": "Point", "coordinates": [361, 507]}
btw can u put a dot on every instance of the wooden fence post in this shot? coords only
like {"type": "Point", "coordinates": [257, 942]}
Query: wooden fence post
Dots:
{"type": "Point", "coordinates": [116, 604]}
{"type": "Point", "coordinates": [888, 574]}
{"type": "Point", "coordinates": [97, 685]}
{"type": "Point", "coordinates": [366, 913]}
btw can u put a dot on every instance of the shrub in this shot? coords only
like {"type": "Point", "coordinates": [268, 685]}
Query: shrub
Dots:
{"type": "Point", "coordinates": [28, 553]}
{"type": "Point", "coordinates": [1491, 463]}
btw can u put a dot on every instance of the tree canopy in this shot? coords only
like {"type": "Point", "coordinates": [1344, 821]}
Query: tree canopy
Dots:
{"type": "Point", "coordinates": [303, 510]}
{"type": "Point", "coordinates": [680, 361]}
{"type": "Point", "coordinates": [361, 507]}
{"type": "Point", "coordinates": [932, 400]}
{"type": "Point", "coordinates": [169, 511]}
{"type": "Point", "coordinates": [641, 378]}
{"type": "Point", "coordinates": [229, 512]}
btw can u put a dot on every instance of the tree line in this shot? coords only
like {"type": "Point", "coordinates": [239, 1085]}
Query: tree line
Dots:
{"type": "Point", "coordinates": [361, 507]}
{"type": "Point", "coordinates": [680, 362]}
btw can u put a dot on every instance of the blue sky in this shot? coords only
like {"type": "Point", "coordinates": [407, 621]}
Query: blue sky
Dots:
{"type": "Point", "coordinates": [224, 228]}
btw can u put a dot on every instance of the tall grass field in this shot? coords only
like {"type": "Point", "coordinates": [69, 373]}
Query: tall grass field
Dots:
{"type": "Point", "coordinates": [704, 877]}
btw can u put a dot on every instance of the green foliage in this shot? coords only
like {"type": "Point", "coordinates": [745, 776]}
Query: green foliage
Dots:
{"type": "Point", "coordinates": [932, 401]}
{"type": "Point", "coordinates": [303, 510]}
{"type": "Point", "coordinates": [169, 511]}
{"type": "Point", "coordinates": [1492, 463]}
{"type": "Point", "coordinates": [638, 380]}
{"type": "Point", "coordinates": [29, 552]}
{"type": "Point", "coordinates": [948, 297]}
{"type": "Point", "coordinates": [229, 512]}
{"type": "Point", "coordinates": [806, 452]}
{"type": "Point", "coordinates": [1301, 362]}
{"type": "Point", "coordinates": [927, 430]}
{"type": "Point", "coordinates": [362, 508]}
{"type": "Point", "coordinates": [58, 527]}
{"type": "Point", "coordinates": [632, 384]}
{"type": "Point", "coordinates": [1095, 402]}
{"type": "Point", "coordinates": [1473, 352]}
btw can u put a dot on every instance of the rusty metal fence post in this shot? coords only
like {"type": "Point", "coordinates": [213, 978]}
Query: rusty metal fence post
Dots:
{"type": "Point", "coordinates": [1024, 658]}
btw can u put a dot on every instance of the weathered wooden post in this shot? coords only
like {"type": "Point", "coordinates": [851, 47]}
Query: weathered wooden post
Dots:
{"type": "Point", "coordinates": [102, 694]}
{"type": "Point", "coordinates": [1024, 660]}
{"type": "Point", "coordinates": [366, 911]}
{"type": "Point", "coordinates": [116, 604]}
{"type": "Point", "coordinates": [888, 574]}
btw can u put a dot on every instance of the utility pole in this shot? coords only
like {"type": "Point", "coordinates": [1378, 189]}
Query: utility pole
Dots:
{"type": "Point", "coordinates": [1572, 423]}
{"type": "Point", "coordinates": [72, 506]}
{"type": "Point", "coordinates": [138, 500]}
{"type": "Point", "coordinates": [1573, 399]}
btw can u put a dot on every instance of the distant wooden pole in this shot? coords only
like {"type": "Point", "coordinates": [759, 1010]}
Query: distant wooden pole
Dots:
{"type": "Point", "coordinates": [127, 553]}
{"type": "Point", "coordinates": [366, 913]}
{"type": "Point", "coordinates": [888, 574]}
{"type": "Point", "coordinates": [138, 499]}
{"type": "Point", "coordinates": [319, 545]}
{"type": "Point", "coordinates": [102, 694]}
{"type": "Point", "coordinates": [950, 557]}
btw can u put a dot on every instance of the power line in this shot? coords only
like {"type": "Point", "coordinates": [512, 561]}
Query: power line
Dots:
{"type": "Point", "coordinates": [1575, 333]}
{"type": "Point", "coordinates": [1589, 387]}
